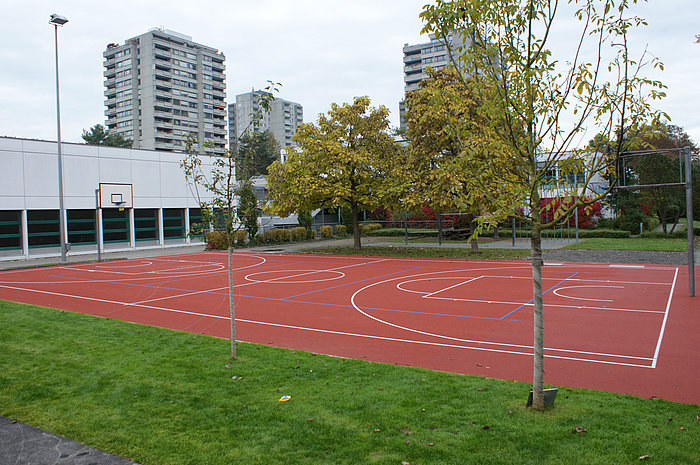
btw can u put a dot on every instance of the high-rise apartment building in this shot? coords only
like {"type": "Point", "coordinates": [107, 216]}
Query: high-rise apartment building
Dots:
{"type": "Point", "coordinates": [282, 120]}
{"type": "Point", "coordinates": [161, 87]}
{"type": "Point", "coordinates": [418, 57]}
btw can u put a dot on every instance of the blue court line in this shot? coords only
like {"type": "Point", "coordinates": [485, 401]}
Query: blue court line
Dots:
{"type": "Point", "coordinates": [348, 284]}
{"type": "Point", "coordinates": [531, 300]}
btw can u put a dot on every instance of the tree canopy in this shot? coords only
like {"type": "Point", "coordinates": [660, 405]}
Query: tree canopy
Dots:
{"type": "Point", "coordinates": [339, 161]}
{"type": "Point", "coordinates": [98, 135]}
{"type": "Point", "coordinates": [256, 152]}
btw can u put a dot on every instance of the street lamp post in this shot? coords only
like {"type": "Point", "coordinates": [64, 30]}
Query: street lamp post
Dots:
{"type": "Point", "coordinates": [58, 20]}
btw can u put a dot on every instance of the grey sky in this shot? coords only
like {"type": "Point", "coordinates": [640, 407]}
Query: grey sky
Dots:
{"type": "Point", "coordinates": [322, 51]}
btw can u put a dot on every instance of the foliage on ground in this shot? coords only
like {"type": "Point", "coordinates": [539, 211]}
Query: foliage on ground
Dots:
{"type": "Point", "coordinates": [159, 396]}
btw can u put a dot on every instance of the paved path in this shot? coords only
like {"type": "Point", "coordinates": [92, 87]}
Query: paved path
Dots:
{"type": "Point", "coordinates": [22, 444]}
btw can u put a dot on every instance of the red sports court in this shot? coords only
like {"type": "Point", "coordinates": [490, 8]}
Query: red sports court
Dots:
{"type": "Point", "coordinates": [621, 328]}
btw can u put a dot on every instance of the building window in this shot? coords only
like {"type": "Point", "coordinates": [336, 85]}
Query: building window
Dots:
{"type": "Point", "coordinates": [81, 226]}
{"type": "Point", "coordinates": [146, 224]}
{"type": "Point", "coordinates": [173, 223]}
{"type": "Point", "coordinates": [115, 225]}
{"type": "Point", "coordinates": [10, 229]}
{"type": "Point", "coordinates": [43, 229]}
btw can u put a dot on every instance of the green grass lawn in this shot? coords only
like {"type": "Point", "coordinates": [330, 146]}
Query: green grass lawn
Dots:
{"type": "Point", "coordinates": [163, 397]}
{"type": "Point", "coordinates": [424, 252]}
{"type": "Point", "coordinates": [667, 245]}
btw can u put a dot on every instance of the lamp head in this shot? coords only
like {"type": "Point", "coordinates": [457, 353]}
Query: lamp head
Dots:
{"type": "Point", "coordinates": [58, 20]}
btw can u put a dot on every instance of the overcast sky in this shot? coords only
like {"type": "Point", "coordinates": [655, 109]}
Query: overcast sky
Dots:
{"type": "Point", "coordinates": [322, 51]}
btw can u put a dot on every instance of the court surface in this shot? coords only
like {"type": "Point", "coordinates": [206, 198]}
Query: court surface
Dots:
{"type": "Point", "coordinates": [620, 328]}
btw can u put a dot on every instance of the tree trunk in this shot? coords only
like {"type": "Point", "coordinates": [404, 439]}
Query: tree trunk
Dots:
{"type": "Point", "coordinates": [357, 245]}
{"type": "Point", "coordinates": [538, 320]}
{"type": "Point", "coordinates": [230, 302]}
{"type": "Point", "coordinates": [474, 242]}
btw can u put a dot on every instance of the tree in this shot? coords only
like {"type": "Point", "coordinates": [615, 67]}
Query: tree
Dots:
{"type": "Point", "coordinates": [257, 151]}
{"type": "Point", "coordinates": [540, 105]}
{"type": "Point", "coordinates": [440, 115]}
{"type": "Point", "coordinates": [660, 168]}
{"type": "Point", "coordinates": [217, 190]}
{"type": "Point", "coordinates": [248, 210]}
{"type": "Point", "coordinates": [339, 161]}
{"type": "Point", "coordinates": [98, 135]}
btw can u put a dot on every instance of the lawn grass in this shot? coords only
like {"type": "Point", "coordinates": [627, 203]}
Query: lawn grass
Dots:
{"type": "Point", "coordinates": [159, 396]}
{"type": "Point", "coordinates": [424, 252]}
{"type": "Point", "coordinates": [634, 243]}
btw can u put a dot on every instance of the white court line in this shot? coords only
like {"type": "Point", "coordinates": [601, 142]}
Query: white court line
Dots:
{"type": "Point", "coordinates": [625, 266]}
{"type": "Point", "coordinates": [236, 286]}
{"type": "Point", "coordinates": [663, 325]}
{"type": "Point", "coordinates": [556, 292]}
{"type": "Point", "coordinates": [515, 346]}
{"type": "Point", "coordinates": [455, 346]}
{"type": "Point", "coordinates": [428, 296]}
{"type": "Point", "coordinates": [530, 304]}
{"type": "Point", "coordinates": [586, 280]}
{"type": "Point", "coordinates": [138, 278]}
{"type": "Point", "coordinates": [309, 272]}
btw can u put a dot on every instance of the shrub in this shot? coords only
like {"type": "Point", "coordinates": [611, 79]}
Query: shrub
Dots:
{"type": "Point", "coordinates": [240, 237]}
{"type": "Point", "coordinates": [326, 232]}
{"type": "Point", "coordinates": [369, 228]}
{"type": "Point", "coordinates": [341, 230]}
{"type": "Point", "coordinates": [311, 233]}
{"type": "Point", "coordinates": [651, 222]}
{"type": "Point", "coordinates": [276, 235]}
{"type": "Point", "coordinates": [298, 233]}
{"type": "Point", "coordinates": [216, 240]}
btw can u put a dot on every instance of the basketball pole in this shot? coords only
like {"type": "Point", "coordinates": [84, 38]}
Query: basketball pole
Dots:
{"type": "Point", "coordinates": [689, 221]}
{"type": "Point", "coordinates": [98, 229]}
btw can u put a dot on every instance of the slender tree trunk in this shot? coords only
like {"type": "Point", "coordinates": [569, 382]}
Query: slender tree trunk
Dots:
{"type": "Point", "coordinates": [230, 303]}
{"type": "Point", "coordinates": [538, 317]}
{"type": "Point", "coordinates": [474, 242]}
{"type": "Point", "coordinates": [357, 245]}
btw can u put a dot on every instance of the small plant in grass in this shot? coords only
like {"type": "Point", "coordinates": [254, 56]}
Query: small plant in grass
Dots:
{"type": "Point", "coordinates": [326, 231]}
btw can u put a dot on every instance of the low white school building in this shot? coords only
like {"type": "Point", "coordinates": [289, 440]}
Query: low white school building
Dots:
{"type": "Point", "coordinates": [163, 208]}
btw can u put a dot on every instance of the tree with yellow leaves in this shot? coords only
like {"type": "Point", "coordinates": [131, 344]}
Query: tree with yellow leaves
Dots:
{"type": "Point", "coordinates": [340, 160]}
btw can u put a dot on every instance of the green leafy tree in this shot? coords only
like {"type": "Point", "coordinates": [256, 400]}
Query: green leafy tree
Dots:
{"type": "Point", "coordinates": [436, 172]}
{"type": "Point", "coordinates": [98, 135]}
{"type": "Point", "coordinates": [217, 190]}
{"type": "Point", "coordinates": [306, 220]}
{"type": "Point", "coordinates": [257, 151]}
{"type": "Point", "coordinates": [339, 161]}
{"type": "Point", "coordinates": [661, 168]}
{"type": "Point", "coordinates": [538, 106]}
{"type": "Point", "coordinates": [248, 210]}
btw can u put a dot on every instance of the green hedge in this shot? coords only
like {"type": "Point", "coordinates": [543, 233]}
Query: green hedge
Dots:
{"type": "Point", "coordinates": [298, 233]}
{"type": "Point", "coordinates": [582, 233]}
{"type": "Point", "coordinates": [369, 228]}
{"type": "Point", "coordinates": [392, 232]}
{"type": "Point", "coordinates": [276, 235]}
